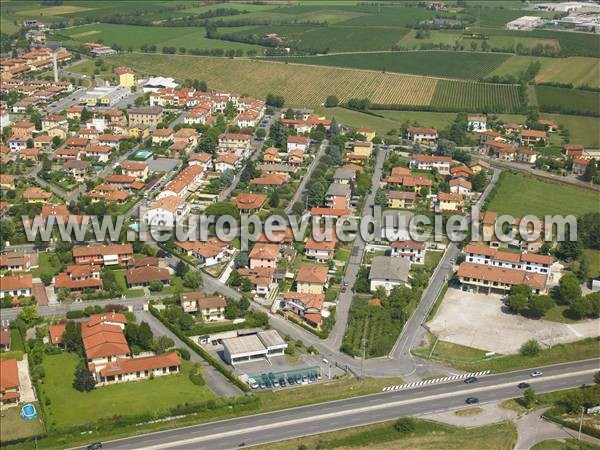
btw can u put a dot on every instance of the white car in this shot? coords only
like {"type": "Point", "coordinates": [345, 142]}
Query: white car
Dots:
{"type": "Point", "coordinates": [536, 373]}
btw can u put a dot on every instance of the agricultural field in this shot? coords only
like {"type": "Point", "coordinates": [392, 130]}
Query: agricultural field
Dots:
{"type": "Point", "coordinates": [517, 63]}
{"type": "Point", "coordinates": [467, 65]}
{"type": "Point", "coordinates": [301, 85]}
{"type": "Point", "coordinates": [472, 96]}
{"type": "Point", "coordinates": [569, 101]}
{"type": "Point", "coordinates": [577, 70]}
{"type": "Point", "coordinates": [129, 36]}
{"type": "Point", "coordinates": [391, 16]}
{"type": "Point", "coordinates": [583, 130]}
{"type": "Point", "coordinates": [328, 39]}
{"type": "Point", "coordinates": [518, 195]}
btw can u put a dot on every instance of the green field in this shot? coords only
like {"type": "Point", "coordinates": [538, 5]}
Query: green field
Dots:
{"type": "Point", "coordinates": [71, 407]}
{"type": "Point", "coordinates": [426, 436]}
{"type": "Point", "coordinates": [129, 36]}
{"type": "Point", "coordinates": [569, 101]}
{"type": "Point", "coordinates": [390, 16]}
{"type": "Point", "coordinates": [518, 195]}
{"type": "Point", "coordinates": [465, 96]}
{"type": "Point", "coordinates": [467, 65]}
{"type": "Point", "coordinates": [577, 70]}
{"type": "Point", "coordinates": [328, 39]}
{"type": "Point", "coordinates": [584, 130]}
{"type": "Point", "coordinates": [15, 427]}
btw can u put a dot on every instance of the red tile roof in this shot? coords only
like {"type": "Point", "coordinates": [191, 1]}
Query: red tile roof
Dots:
{"type": "Point", "coordinates": [312, 273]}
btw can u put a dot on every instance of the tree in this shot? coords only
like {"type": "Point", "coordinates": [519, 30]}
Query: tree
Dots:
{"type": "Point", "coordinates": [528, 398]}
{"type": "Point", "coordinates": [181, 268]}
{"type": "Point", "coordinates": [84, 380]}
{"type": "Point", "coordinates": [540, 304]}
{"type": "Point", "coordinates": [568, 287]}
{"type": "Point", "coordinates": [274, 200]}
{"type": "Point", "coordinates": [591, 171]}
{"type": "Point", "coordinates": [261, 133]}
{"type": "Point", "coordinates": [331, 101]}
{"type": "Point", "coordinates": [518, 299]}
{"type": "Point", "coordinates": [72, 337]}
{"type": "Point", "coordinates": [219, 209]}
{"type": "Point", "coordinates": [478, 181]}
{"type": "Point", "coordinates": [581, 307]}
{"type": "Point", "coordinates": [530, 348]}
{"type": "Point", "coordinates": [156, 286]}
{"type": "Point", "coordinates": [192, 279]}
{"type": "Point", "coordinates": [163, 343]}
{"type": "Point", "coordinates": [241, 259]}
{"type": "Point", "coordinates": [316, 194]}
{"type": "Point", "coordinates": [276, 101]}
{"type": "Point", "coordinates": [594, 300]}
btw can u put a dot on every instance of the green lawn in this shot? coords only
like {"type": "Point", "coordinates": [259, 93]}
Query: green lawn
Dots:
{"type": "Point", "coordinates": [427, 435]}
{"type": "Point", "coordinates": [519, 195]}
{"type": "Point", "coordinates": [342, 254]}
{"type": "Point", "coordinates": [15, 427]}
{"type": "Point", "coordinates": [569, 101]}
{"type": "Point", "coordinates": [70, 407]}
{"type": "Point", "coordinates": [592, 258]}
{"type": "Point", "coordinates": [473, 360]}
{"type": "Point", "coordinates": [48, 263]}
{"type": "Point", "coordinates": [16, 342]}
{"type": "Point", "coordinates": [584, 130]}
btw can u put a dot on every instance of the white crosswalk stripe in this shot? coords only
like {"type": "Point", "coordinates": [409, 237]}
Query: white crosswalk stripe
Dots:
{"type": "Point", "coordinates": [435, 380]}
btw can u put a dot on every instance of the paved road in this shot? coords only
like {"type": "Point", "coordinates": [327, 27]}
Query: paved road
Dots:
{"type": "Point", "coordinates": [319, 418]}
{"type": "Point", "coordinates": [214, 379]}
{"type": "Point", "coordinates": [307, 175]}
{"type": "Point", "coordinates": [344, 300]}
{"type": "Point", "coordinates": [413, 331]}
{"type": "Point", "coordinates": [258, 146]}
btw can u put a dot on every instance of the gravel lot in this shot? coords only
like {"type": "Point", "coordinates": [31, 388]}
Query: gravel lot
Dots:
{"type": "Point", "coordinates": [482, 321]}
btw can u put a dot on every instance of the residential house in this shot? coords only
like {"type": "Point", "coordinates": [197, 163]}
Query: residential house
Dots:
{"type": "Point", "coordinates": [298, 143]}
{"type": "Point", "coordinates": [143, 276]}
{"type": "Point", "coordinates": [249, 203]}
{"type": "Point", "coordinates": [261, 278]}
{"type": "Point", "coordinates": [77, 169]}
{"type": "Point", "coordinates": [162, 136]}
{"type": "Point", "coordinates": [477, 123]}
{"type": "Point", "coordinates": [234, 143]}
{"type": "Point", "coordinates": [68, 153]}
{"type": "Point", "coordinates": [573, 150]}
{"type": "Point", "coordinates": [104, 255]}
{"type": "Point", "coordinates": [360, 148]}
{"type": "Point", "coordinates": [10, 386]}
{"type": "Point", "coordinates": [338, 196]}
{"type": "Point", "coordinates": [166, 211]}
{"type": "Point", "coordinates": [449, 202]}
{"type": "Point", "coordinates": [488, 278]}
{"type": "Point", "coordinates": [208, 253]}
{"type": "Point", "coordinates": [264, 255]}
{"type": "Point", "coordinates": [56, 332]}
{"type": "Point", "coordinates": [479, 165]}
{"type": "Point", "coordinates": [186, 182]}
{"type": "Point", "coordinates": [549, 125]}
{"type": "Point", "coordinates": [269, 179]}
{"type": "Point", "coordinates": [413, 251]}
{"type": "Point", "coordinates": [530, 262]}
{"type": "Point", "coordinates": [526, 155]}
{"type": "Point", "coordinates": [422, 135]}
{"type": "Point", "coordinates": [23, 129]}
{"type": "Point", "coordinates": [344, 176]}
{"type": "Point", "coordinates": [228, 161]}
{"type": "Point", "coordinates": [295, 157]}
{"type": "Point", "coordinates": [210, 308]}
{"type": "Point", "coordinates": [322, 250]}
{"type": "Point", "coordinates": [138, 170]}
{"type": "Point", "coordinates": [126, 76]}
{"type": "Point", "coordinates": [311, 279]}
{"type": "Point", "coordinates": [368, 133]}
{"type": "Point", "coordinates": [532, 137]}
{"type": "Point", "coordinates": [5, 339]}
{"type": "Point", "coordinates": [79, 278]}
{"type": "Point", "coordinates": [35, 195]}
{"type": "Point", "coordinates": [202, 159]}
{"type": "Point", "coordinates": [42, 142]}
{"type": "Point", "coordinates": [17, 143]}
{"type": "Point", "coordinates": [426, 162]}
{"type": "Point", "coordinates": [460, 186]}
{"type": "Point", "coordinates": [16, 285]}
{"type": "Point", "coordinates": [307, 306]}
{"type": "Point", "coordinates": [15, 262]}
{"type": "Point", "coordinates": [148, 115]}
{"type": "Point", "coordinates": [388, 272]}
{"type": "Point", "coordinates": [579, 166]}
{"type": "Point", "coordinates": [401, 200]}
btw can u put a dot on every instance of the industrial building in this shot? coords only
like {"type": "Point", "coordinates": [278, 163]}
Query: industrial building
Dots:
{"type": "Point", "coordinates": [260, 346]}
{"type": "Point", "coordinates": [104, 96]}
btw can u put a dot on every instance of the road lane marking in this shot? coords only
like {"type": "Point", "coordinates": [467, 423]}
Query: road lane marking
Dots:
{"type": "Point", "coordinates": [365, 409]}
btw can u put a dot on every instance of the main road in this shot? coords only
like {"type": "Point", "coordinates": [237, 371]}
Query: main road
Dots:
{"type": "Point", "coordinates": [357, 411]}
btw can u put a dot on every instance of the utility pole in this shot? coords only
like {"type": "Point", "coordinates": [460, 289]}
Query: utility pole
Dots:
{"type": "Point", "coordinates": [362, 360]}
{"type": "Point", "coordinates": [580, 423]}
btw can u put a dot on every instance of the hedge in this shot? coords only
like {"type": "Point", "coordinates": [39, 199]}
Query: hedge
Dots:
{"type": "Point", "coordinates": [573, 426]}
{"type": "Point", "coordinates": [200, 351]}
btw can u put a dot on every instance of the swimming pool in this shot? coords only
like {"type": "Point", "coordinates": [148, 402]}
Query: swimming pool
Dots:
{"type": "Point", "coordinates": [142, 154]}
{"type": "Point", "coordinates": [28, 412]}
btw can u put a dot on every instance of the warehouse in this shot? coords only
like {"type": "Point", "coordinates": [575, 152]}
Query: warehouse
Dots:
{"type": "Point", "coordinates": [262, 345]}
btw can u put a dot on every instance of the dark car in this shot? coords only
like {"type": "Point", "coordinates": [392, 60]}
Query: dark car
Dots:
{"type": "Point", "coordinates": [94, 446]}
{"type": "Point", "coordinates": [523, 385]}
{"type": "Point", "coordinates": [471, 400]}
{"type": "Point", "coordinates": [471, 380]}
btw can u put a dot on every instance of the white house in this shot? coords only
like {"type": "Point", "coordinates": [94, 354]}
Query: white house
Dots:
{"type": "Point", "coordinates": [413, 251]}
{"type": "Point", "coordinates": [165, 211]}
{"type": "Point", "coordinates": [297, 143]}
{"type": "Point", "coordinates": [477, 123]}
{"type": "Point", "coordinates": [388, 272]}
{"type": "Point", "coordinates": [529, 262]}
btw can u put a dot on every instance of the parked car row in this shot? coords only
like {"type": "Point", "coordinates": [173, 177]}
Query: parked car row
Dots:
{"type": "Point", "coordinates": [270, 381]}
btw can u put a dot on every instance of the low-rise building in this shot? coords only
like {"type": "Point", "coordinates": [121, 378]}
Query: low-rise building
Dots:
{"type": "Point", "coordinates": [260, 346]}
{"type": "Point", "coordinates": [425, 162]}
{"type": "Point", "coordinates": [488, 278]}
{"type": "Point", "coordinates": [16, 285]}
{"type": "Point", "coordinates": [10, 386]}
{"type": "Point", "coordinates": [422, 135]}
{"type": "Point", "coordinates": [306, 306]}
{"type": "Point", "coordinates": [210, 308]}
{"type": "Point", "coordinates": [323, 250]}
{"type": "Point", "coordinates": [413, 251]}
{"type": "Point", "coordinates": [388, 272]}
{"type": "Point", "coordinates": [311, 279]}
{"type": "Point", "coordinates": [104, 255]}
{"type": "Point", "coordinates": [264, 255]}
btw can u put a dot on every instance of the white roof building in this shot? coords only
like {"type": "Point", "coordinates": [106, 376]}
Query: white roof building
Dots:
{"type": "Point", "coordinates": [155, 83]}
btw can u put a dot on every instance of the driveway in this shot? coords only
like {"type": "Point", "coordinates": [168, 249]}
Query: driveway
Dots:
{"type": "Point", "coordinates": [482, 321]}
{"type": "Point", "coordinates": [214, 379]}
{"type": "Point", "coordinates": [39, 292]}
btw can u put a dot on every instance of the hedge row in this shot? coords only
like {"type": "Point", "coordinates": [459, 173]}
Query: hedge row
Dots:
{"type": "Point", "coordinates": [573, 426]}
{"type": "Point", "coordinates": [200, 351]}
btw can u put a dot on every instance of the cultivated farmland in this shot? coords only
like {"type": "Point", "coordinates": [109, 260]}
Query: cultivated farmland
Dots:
{"type": "Point", "coordinates": [468, 65]}
{"type": "Point", "coordinates": [577, 70]}
{"type": "Point", "coordinates": [299, 84]}
{"type": "Point", "coordinates": [569, 101]}
{"type": "Point", "coordinates": [471, 96]}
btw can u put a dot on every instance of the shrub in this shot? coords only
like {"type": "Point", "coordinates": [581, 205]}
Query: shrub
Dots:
{"type": "Point", "coordinates": [183, 353]}
{"type": "Point", "coordinates": [405, 425]}
{"type": "Point", "coordinates": [530, 348]}
{"type": "Point", "coordinates": [75, 314]}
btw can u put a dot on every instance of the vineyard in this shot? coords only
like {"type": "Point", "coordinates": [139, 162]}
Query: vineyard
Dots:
{"type": "Point", "coordinates": [301, 85]}
{"type": "Point", "coordinates": [466, 65]}
{"type": "Point", "coordinates": [472, 96]}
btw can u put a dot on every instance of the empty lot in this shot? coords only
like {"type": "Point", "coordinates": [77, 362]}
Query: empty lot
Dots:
{"type": "Point", "coordinates": [481, 321]}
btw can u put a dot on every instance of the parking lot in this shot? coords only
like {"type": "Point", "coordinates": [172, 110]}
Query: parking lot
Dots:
{"type": "Point", "coordinates": [482, 321]}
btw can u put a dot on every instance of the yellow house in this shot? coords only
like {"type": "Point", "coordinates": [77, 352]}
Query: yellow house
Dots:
{"type": "Point", "coordinates": [311, 279]}
{"type": "Point", "coordinates": [126, 76]}
{"type": "Point", "coordinates": [450, 202]}
{"type": "Point", "coordinates": [363, 148]}
{"type": "Point", "coordinates": [369, 133]}
{"type": "Point", "coordinates": [137, 131]}
{"type": "Point", "coordinates": [7, 181]}
{"type": "Point", "coordinates": [401, 200]}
